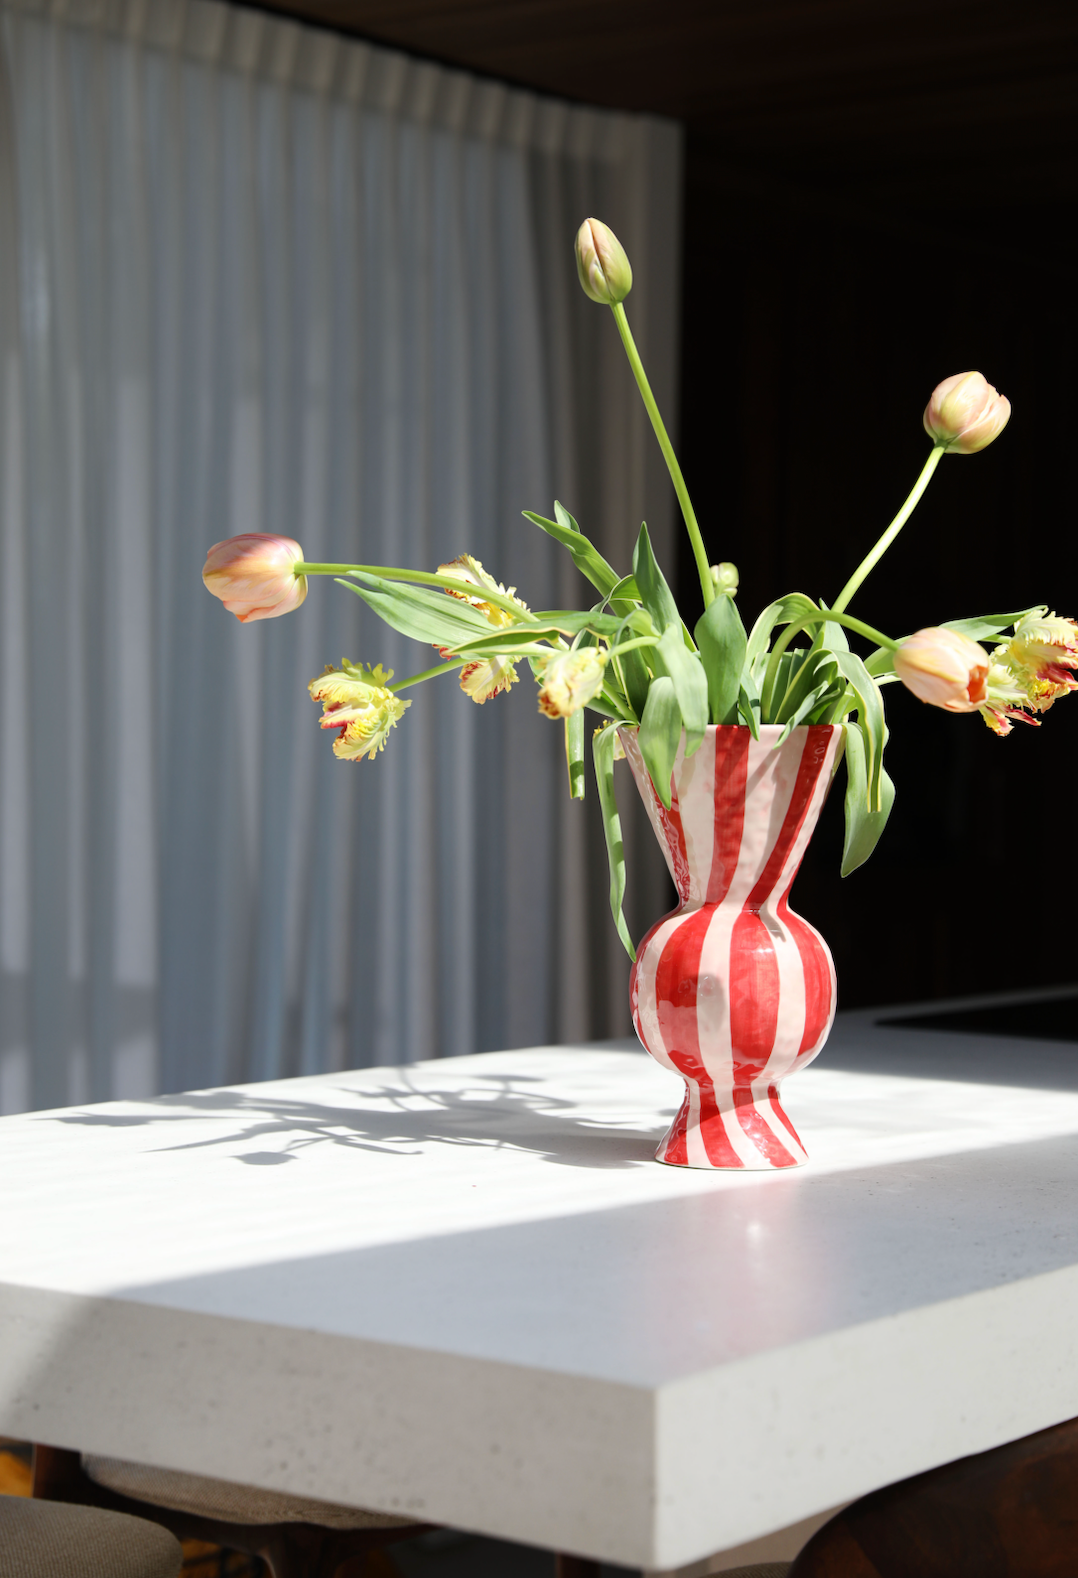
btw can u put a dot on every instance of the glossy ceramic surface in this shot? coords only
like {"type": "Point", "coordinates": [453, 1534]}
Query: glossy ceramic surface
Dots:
{"type": "Point", "coordinates": [732, 990]}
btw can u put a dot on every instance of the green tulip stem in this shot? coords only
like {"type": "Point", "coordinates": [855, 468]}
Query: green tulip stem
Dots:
{"type": "Point", "coordinates": [871, 560]}
{"type": "Point", "coordinates": [707, 585]}
{"type": "Point", "coordinates": [395, 573]}
{"type": "Point", "coordinates": [631, 646]}
{"type": "Point", "coordinates": [428, 673]}
{"type": "Point", "coordinates": [827, 616]}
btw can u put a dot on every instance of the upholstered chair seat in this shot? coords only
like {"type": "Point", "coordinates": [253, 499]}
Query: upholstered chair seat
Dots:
{"type": "Point", "coordinates": [225, 1502]}
{"type": "Point", "coordinates": [48, 1539]}
{"type": "Point", "coordinates": [760, 1570]}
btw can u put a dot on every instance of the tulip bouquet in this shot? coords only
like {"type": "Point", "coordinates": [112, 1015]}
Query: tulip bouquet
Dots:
{"type": "Point", "coordinates": [630, 657]}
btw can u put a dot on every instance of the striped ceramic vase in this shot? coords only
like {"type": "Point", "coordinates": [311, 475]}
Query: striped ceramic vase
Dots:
{"type": "Point", "coordinates": [731, 990]}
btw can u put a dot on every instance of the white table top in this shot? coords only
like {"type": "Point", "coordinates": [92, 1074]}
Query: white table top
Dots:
{"type": "Point", "coordinates": [463, 1290]}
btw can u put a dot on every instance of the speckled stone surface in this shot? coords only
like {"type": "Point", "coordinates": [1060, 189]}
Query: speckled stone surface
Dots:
{"type": "Point", "coordinates": [464, 1292]}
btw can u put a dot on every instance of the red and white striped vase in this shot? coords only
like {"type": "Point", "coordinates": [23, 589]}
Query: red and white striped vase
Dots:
{"type": "Point", "coordinates": [732, 990]}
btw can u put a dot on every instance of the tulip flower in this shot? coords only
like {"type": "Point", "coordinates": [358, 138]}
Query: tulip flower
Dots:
{"type": "Point", "coordinates": [465, 567]}
{"type": "Point", "coordinates": [483, 679]}
{"type": "Point", "coordinates": [965, 413]}
{"type": "Point", "coordinates": [570, 680]}
{"type": "Point", "coordinates": [357, 702]}
{"type": "Point", "coordinates": [1045, 647]}
{"type": "Point", "coordinates": [725, 577]}
{"type": "Point", "coordinates": [253, 575]}
{"type": "Point", "coordinates": [601, 263]}
{"type": "Point", "coordinates": [944, 668]}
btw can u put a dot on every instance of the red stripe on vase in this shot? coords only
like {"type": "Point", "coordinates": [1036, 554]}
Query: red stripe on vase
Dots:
{"type": "Point", "coordinates": [773, 1097]}
{"type": "Point", "coordinates": [808, 770]}
{"type": "Point", "coordinates": [817, 974]}
{"type": "Point", "coordinates": [674, 834]}
{"type": "Point", "coordinates": [675, 987]}
{"type": "Point", "coordinates": [731, 776]}
{"type": "Point", "coordinates": [717, 1147]}
{"type": "Point", "coordinates": [675, 1001]}
{"type": "Point", "coordinates": [760, 1131]}
{"type": "Point", "coordinates": [674, 1148]}
{"type": "Point", "coordinates": [754, 996]}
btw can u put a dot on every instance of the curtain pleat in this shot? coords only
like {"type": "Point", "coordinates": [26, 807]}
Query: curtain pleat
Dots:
{"type": "Point", "coordinates": [256, 277]}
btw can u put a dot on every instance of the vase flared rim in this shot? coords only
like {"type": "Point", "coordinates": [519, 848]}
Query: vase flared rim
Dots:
{"type": "Point", "coordinates": [767, 730]}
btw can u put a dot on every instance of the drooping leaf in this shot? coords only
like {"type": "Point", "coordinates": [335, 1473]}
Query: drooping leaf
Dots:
{"type": "Point", "coordinates": [655, 595]}
{"type": "Point", "coordinates": [422, 613]}
{"type": "Point", "coordinates": [587, 558]}
{"type": "Point", "coordinates": [881, 662]}
{"type": "Point", "coordinates": [524, 635]}
{"type": "Point", "coordinates": [603, 757]}
{"type": "Point", "coordinates": [637, 680]}
{"type": "Point", "coordinates": [871, 718]}
{"type": "Point", "coordinates": [991, 624]}
{"type": "Point", "coordinates": [863, 827]}
{"type": "Point", "coordinates": [783, 612]}
{"type": "Point", "coordinates": [748, 705]}
{"type": "Point", "coordinates": [722, 641]}
{"type": "Point", "coordinates": [690, 684]}
{"type": "Point", "coordinates": [574, 753]}
{"type": "Point", "coordinates": [835, 638]}
{"type": "Point", "coordinates": [784, 673]}
{"type": "Point", "coordinates": [660, 734]}
{"type": "Point", "coordinates": [816, 675]}
{"type": "Point", "coordinates": [805, 708]}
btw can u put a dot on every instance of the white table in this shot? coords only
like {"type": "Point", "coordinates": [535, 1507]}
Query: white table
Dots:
{"type": "Point", "coordinates": [463, 1289]}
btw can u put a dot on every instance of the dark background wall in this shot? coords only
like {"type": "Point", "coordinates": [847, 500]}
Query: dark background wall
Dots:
{"type": "Point", "coordinates": [876, 197]}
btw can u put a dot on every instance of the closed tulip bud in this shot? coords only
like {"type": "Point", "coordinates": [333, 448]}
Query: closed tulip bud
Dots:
{"type": "Point", "coordinates": [944, 668]}
{"type": "Point", "coordinates": [254, 577]}
{"type": "Point", "coordinates": [965, 413]}
{"type": "Point", "coordinates": [724, 577]}
{"type": "Point", "coordinates": [601, 263]}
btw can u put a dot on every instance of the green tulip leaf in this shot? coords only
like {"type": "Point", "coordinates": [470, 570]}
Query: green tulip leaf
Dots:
{"type": "Point", "coordinates": [863, 827]}
{"type": "Point", "coordinates": [655, 595]}
{"type": "Point", "coordinates": [721, 638]}
{"type": "Point", "coordinates": [660, 735]}
{"type": "Point", "coordinates": [587, 558]}
{"type": "Point", "coordinates": [574, 753]}
{"type": "Point", "coordinates": [690, 684]}
{"type": "Point", "coordinates": [603, 756]}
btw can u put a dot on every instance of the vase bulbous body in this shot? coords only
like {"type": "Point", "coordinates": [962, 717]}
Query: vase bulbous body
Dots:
{"type": "Point", "coordinates": [732, 990]}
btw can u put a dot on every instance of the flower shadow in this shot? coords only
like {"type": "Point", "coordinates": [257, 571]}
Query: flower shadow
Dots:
{"type": "Point", "coordinates": [401, 1118]}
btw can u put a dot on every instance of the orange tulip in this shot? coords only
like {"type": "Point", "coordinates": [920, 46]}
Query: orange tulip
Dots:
{"type": "Point", "coordinates": [254, 576]}
{"type": "Point", "coordinates": [944, 668]}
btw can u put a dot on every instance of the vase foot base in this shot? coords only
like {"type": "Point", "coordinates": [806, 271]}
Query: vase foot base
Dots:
{"type": "Point", "coordinates": [745, 1131]}
{"type": "Point", "coordinates": [731, 1167]}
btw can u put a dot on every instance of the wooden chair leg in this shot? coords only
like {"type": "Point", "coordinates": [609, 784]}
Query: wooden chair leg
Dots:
{"type": "Point", "coordinates": [575, 1567]}
{"type": "Point", "coordinates": [57, 1474]}
{"type": "Point", "coordinates": [1008, 1513]}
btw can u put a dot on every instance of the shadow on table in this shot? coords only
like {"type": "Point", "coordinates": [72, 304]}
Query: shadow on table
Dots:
{"type": "Point", "coordinates": [491, 1111]}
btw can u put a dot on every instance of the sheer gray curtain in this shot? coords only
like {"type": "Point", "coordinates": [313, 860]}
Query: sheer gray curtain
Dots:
{"type": "Point", "coordinates": [255, 277]}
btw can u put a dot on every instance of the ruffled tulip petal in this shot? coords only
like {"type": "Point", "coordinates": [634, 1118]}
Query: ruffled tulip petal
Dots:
{"type": "Point", "coordinates": [483, 679]}
{"type": "Point", "coordinates": [357, 703]}
{"type": "Point", "coordinates": [569, 680]}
